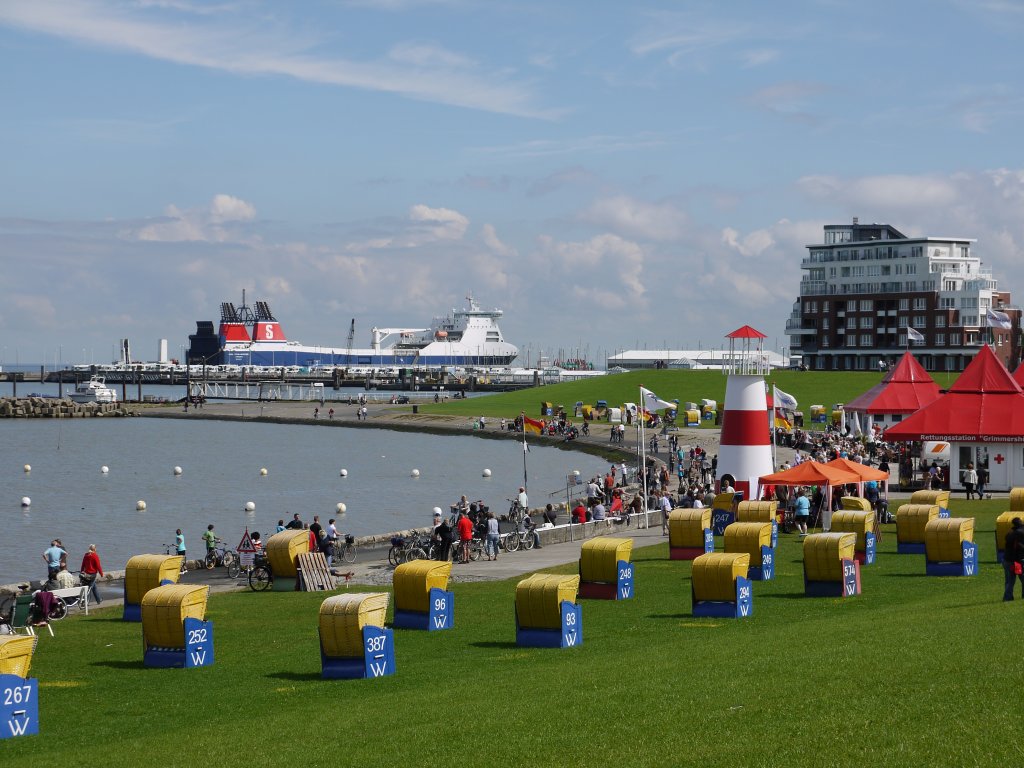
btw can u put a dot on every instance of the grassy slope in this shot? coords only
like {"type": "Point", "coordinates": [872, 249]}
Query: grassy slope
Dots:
{"type": "Point", "coordinates": [915, 671]}
{"type": "Point", "coordinates": [807, 387]}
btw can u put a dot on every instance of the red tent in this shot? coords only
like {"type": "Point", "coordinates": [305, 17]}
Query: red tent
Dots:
{"type": "Point", "coordinates": [905, 389]}
{"type": "Point", "coordinates": [1018, 375]}
{"type": "Point", "coordinates": [984, 405]}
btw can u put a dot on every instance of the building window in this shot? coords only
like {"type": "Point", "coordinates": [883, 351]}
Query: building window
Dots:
{"type": "Point", "coordinates": [851, 340]}
{"type": "Point", "coordinates": [866, 305]}
{"type": "Point", "coordinates": [954, 339]}
{"type": "Point", "coordinates": [824, 324]}
{"type": "Point", "coordinates": [867, 322]}
{"type": "Point", "coordinates": [901, 322]}
{"type": "Point", "coordinates": [902, 339]}
{"type": "Point", "coordinates": [947, 303]}
{"type": "Point", "coordinates": [920, 321]}
{"type": "Point", "coordinates": [825, 342]}
{"type": "Point", "coordinates": [940, 339]}
{"type": "Point", "coordinates": [940, 321]}
{"type": "Point", "coordinates": [865, 340]}
{"type": "Point", "coordinates": [824, 306]}
{"type": "Point", "coordinates": [812, 307]}
{"type": "Point", "coordinates": [904, 304]}
{"type": "Point", "coordinates": [920, 304]}
{"type": "Point", "coordinates": [851, 322]}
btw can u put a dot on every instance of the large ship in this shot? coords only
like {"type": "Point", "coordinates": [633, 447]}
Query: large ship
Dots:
{"type": "Point", "coordinates": [252, 336]}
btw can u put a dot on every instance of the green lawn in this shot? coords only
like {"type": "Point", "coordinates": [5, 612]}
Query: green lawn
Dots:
{"type": "Point", "coordinates": [808, 387]}
{"type": "Point", "coordinates": [916, 671]}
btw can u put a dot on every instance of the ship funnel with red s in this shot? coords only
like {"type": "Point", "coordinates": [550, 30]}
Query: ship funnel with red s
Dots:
{"type": "Point", "coordinates": [232, 324]}
{"type": "Point", "coordinates": [265, 326]}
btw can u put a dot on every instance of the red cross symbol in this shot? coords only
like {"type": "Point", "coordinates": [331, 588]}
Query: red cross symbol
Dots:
{"type": "Point", "coordinates": [1000, 458]}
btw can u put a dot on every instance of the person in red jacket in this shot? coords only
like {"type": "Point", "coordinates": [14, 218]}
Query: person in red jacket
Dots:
{"type": "Point", "coordinates": [465, 527]}
{"type": "Point", "coordinates": [91, 570]}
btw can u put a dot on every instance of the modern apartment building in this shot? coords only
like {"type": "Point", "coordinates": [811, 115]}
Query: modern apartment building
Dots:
{"type": "Point", "coordinates": [866, 284]}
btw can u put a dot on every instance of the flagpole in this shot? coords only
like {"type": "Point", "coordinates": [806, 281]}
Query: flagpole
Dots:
{"type": "Point", "coordinates": [643, 452]}
{"type": "Point", "coordinates": [525, 485]}
{"type": "Point", "coordinates": [771, 423]}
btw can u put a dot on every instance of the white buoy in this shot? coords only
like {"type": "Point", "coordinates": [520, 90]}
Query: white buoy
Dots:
{"type": "Point", "coordinates": [437, 510]}
{"type": "Point", "coordinates": [487, 473]}
{"type": "Point", "coordinates": [415, 473]}
{"type": "Point", "coordinates": [27, 467]}
{"type": "Point", "coordinates": [140, 505]}
{"type": "Point", "coordinates": [263, 471]}
{"type": "Point", "coordinates": [250, 506]}
{"type": "Point", "coordinates": [104, 469]}
{"type": "Point", "coordinates": [177, 470]}
{"type": "Point", "coordinates": [26, 501]}
{"type": "Point", "coordinates": [341, 508]}
{"type": "Point", "coordinates": [344, 473]}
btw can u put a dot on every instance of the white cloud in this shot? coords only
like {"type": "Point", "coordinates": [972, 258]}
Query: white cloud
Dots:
{"type": "Point", "coordinates": [637, 218]}
{"type": "Point", "coordinates": [247, 44]}
{"type": "Point", "coordinates": [790, 99]}
{"type": "Point", "coordinates": [894, 192]}
{"type": "Point", "coordinates": [605, 267]}
{"type": "Point", "coordinates": [759, 57]}
{"type": "Point", "coordinates": [493, 242]}
{"type": "Point", "coordinates": [218, 222]}
{"type": "Point", "coordinates": [442, 223]}
{"type": "Point", "coordinates": [428, 55]}
{"type": "Point", "coordinates": [423, 226]}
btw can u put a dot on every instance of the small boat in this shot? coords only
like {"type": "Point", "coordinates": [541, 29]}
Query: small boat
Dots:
{"type": "Point", "coordinates": [95, 390]}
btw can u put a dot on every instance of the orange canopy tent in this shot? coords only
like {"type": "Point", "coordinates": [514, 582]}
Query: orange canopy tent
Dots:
{"type": "Point", "coordinates": [863, 471]}
{"type": "Point", "coordinates": [813, 473]}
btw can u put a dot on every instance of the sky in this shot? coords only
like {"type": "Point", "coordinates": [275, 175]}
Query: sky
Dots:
{"type": "Point", "coordinates": [612, 175]}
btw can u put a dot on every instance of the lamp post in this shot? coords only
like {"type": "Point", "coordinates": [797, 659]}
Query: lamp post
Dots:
{"type": "Point", "coordinates": [571, 479]}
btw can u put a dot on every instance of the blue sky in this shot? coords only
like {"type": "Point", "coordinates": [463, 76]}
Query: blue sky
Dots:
{"type": "Point", "coordinates": [608, 173]}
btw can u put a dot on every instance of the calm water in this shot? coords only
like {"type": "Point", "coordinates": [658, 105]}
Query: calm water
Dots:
{"type": "Point", "coordinates": [221, 461]}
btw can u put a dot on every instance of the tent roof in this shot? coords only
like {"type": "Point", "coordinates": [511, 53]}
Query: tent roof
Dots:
{"type": "Point", "coordinates": [905, 389]}
{"type": "Point", "coordinates": [863, 471]}
{"type": "Point", "coordinates": [984, 405]}
{"type": "Point", "coordinates": [746, 332]}
{"type": "Point", "coordinates": [1018, 375]}
{"type": "Point", "coordinates": [811, 473]}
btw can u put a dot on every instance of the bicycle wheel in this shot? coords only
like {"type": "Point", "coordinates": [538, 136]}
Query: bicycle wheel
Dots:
{"type": "Point", "coordinates": [58, 609]}
{"type": "Point", "coordinates": [349, 553]}
{"type": "Point", "coordinates": [527, 540]}
{"type": "Point", "coordinates": [415, 553]}
{"type": "Point", "coordinates": [260, 578]}
{"type": "Point", "coordinates": [229, 559]}
{"type": "Point", "coordinates": [393, 555]}
{"type": "Point", "coordinates": [511, 542]}
{"type": "Point", "coordinates": [234, 569]}
{"type": "Point", "coordinates": [211, 560]}
{"type": "Point", "coordinates": [476, 550]}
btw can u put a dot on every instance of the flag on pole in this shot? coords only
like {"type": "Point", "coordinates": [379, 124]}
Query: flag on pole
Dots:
{"type": "Point", "coordinates": [652, 402]}
{"type": "Point", "coordinates": [784, 400]}
{"type": "Point", "coordinates": [997, 319]}
{"type": "Point", "coordinates": [533, 427]}
{"type": "Point", "coordinates": [914, 335]}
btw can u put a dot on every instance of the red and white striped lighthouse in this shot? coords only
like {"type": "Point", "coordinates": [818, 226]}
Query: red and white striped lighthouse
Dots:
{"type": "Point", "coordinates": [745, 451]}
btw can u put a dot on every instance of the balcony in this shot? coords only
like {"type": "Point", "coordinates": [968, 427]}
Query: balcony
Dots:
{"type": "Point", "coordinates": [800, 328]}
{"type": "Point", "coordinates": [812, 287]}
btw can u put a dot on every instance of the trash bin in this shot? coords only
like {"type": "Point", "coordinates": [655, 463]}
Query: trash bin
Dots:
{"type": "Point", "coordinates": [415, 409]}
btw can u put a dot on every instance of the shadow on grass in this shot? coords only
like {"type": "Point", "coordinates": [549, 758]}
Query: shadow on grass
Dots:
{"type": "Point", "coordinates": [910, 575]}
{"type": "Point", "coordinates": [296, 676]}
{"type": "Point", "coordinates": [495, 644]}
{"type": "Point", "coordinates": [670, 616]}
{"type": "Point", "coordinates": [120, 664]}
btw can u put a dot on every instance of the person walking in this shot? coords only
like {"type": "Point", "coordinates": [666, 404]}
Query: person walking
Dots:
{"type": "Point", "coordinates": [179, 545]}
{"type": "Point", "coordinates": [1013, 558]}
{"type": "Point", "coordinates": [982, 482]}
{"type": "Point", "coordinates": [91, 570]}
{"type": "Point", "coordinates": [970, 480]}
{"type": "Point", "coordinates": [803, 511]}
{"type": "Point", "coordinates": [211, 541]}
{"type": "Point", "coordinates": [493, 536]}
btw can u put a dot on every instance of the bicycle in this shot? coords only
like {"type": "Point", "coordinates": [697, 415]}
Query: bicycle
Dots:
{"type": "Point", "coordinates": [170, 549]}
{"type": "Point", "coordinates": [261, 576]}
{"type": "Point", "coordinates": [345, 550]}
{"type": "Point", "coordinates": [406, 550]}
{"type": "Point", "coordinates": [516, 513]}
{"type": "Point", "coordinates": [220, 553]}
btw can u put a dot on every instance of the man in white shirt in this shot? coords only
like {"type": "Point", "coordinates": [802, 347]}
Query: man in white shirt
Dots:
{"type": "Point", "coordinates": [524, 500]}
{"type": "Point", "coordinates": [665, 504]}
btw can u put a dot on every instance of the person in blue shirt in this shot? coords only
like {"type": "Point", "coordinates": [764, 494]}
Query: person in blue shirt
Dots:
{"type": "Point", "coordinates": [803, 511]}
{"type": "Point", "coordinates": [52, 557]}
{"type": "Point", "coordinates": [179, 543]}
